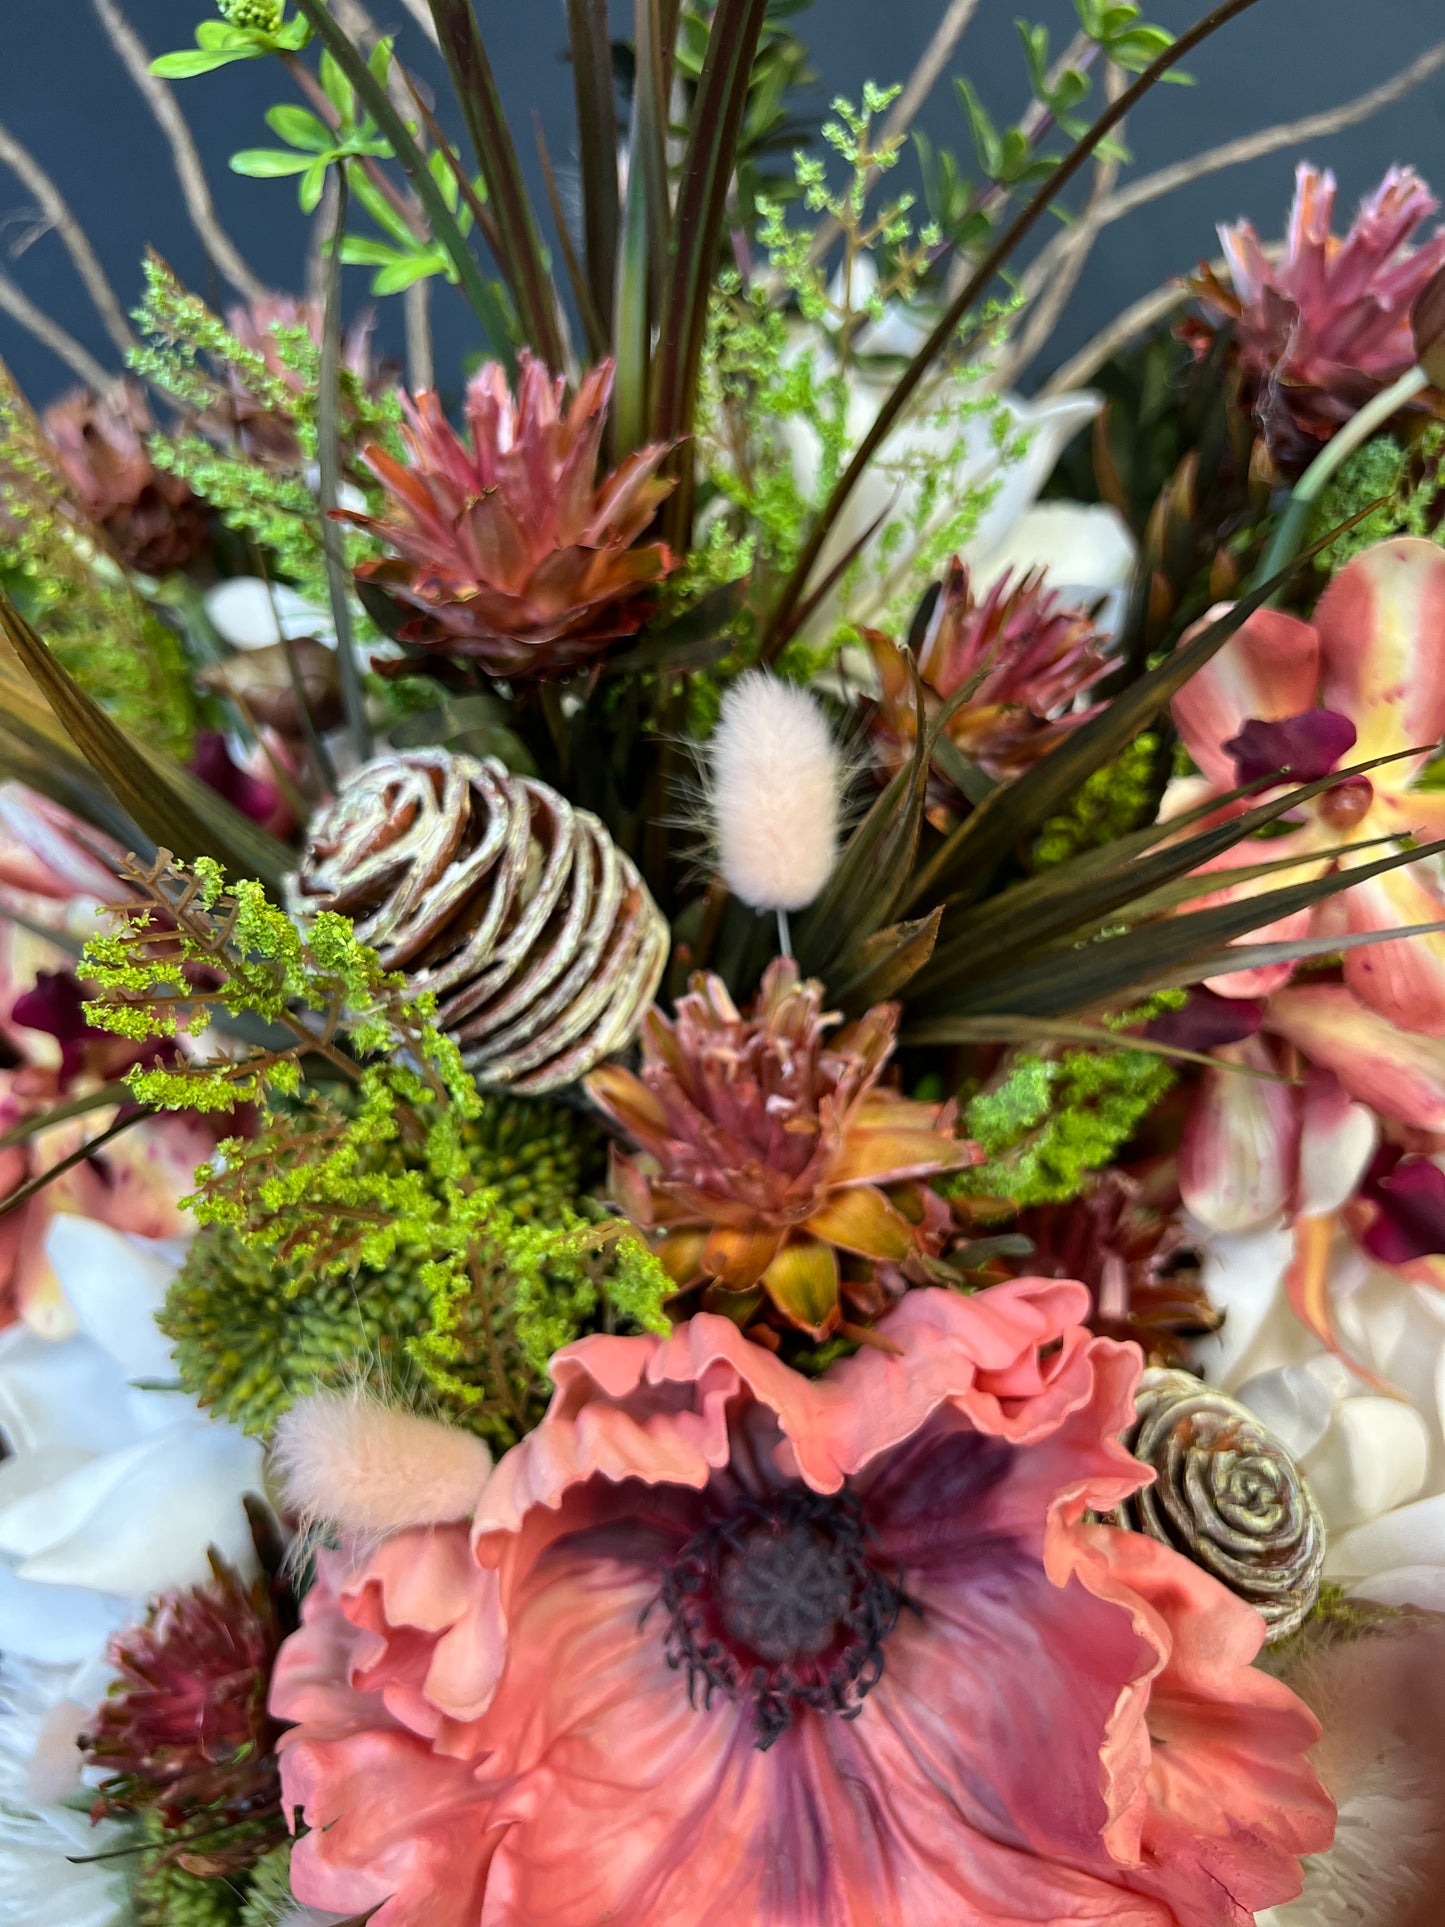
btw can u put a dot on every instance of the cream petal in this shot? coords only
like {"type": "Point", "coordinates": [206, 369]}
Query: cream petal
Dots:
{"type": "Point", "coordinates": [1420, 1586]}
{"type": "Point", "coordinates": [1294, 1402]}
{"type": "Point", "coordinates": [1337, 1140]}
{"type": "Point", "coordinates": [251, 614]}
{"type": "Point", "coordinates": [1410, 1535]}
{"type": "Point", "coordinates": [66, 1393]}
{"type": "Point", "coordinates": [140, 1519]}
{"type": "Point", "coordinates": [57, 1625]}
{"type": "Point", "coordinates": [1243, 1276]}
{"type": "Point", "coordinates": [1372, 1459]}
{"type": "Point", "coordinates": [116, 1283]}
{"type": "Point", "coordinates": [1086, 547]}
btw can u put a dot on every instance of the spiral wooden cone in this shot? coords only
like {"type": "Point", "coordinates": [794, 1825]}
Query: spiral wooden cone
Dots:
{"type": "Point", "coordinates": [536, 934]}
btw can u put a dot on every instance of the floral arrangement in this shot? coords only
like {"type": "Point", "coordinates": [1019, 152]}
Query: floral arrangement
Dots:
{"type": "Point", "coordinates": [723, 1115]}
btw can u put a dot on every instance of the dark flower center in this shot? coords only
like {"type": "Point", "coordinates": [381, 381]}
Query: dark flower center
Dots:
{"type": "Point", "coordinates": [781, 1603]}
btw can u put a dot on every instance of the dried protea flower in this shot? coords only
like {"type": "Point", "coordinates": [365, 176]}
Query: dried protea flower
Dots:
{"type": "Point", "coordinates": [536, 934]}
{"type": "Point", "coordinates": [1326, 327]}
{"type": "Point", "coordinates": [787, 1187]}
{"type": "Point", "coordinates": [512, 551]}
{"type": "Point", "coordinates": [184, 1732]}
{"type": "Point", "coordinates": [151, 519]}
{"type": "Point", "coordinates": [265, 432]}
{"type": "Point", "coordinates": [1127, 1247]}
{"type": "Point", "coordinates": [1031, 657]}
{"type": "Point", "coordinates": [1228, 1496]}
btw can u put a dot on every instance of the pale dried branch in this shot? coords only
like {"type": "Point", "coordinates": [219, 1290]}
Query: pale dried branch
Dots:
{"type": "Point", "coordinates": [22, 163]}
{"type": "Point", "coordinates": [1054, 259]}
{"type": "Point", "coordinates": [416, 309]}
{"type": "Point", "coordinates": [421, 13]}
{"type": "Point", "coordinates": [222, 250]}
{"type": "Point", "coordinates": [65, 347]}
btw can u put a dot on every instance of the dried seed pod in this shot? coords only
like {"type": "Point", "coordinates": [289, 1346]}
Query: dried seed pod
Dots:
{"type": "Point", "coordinates": [1228, 1496]}
{"type": "Point", "coordinates": [536, 934]}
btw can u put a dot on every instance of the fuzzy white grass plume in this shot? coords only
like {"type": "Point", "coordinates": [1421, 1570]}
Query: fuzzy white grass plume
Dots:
{"type": "Point", "coordinates": [345, 1459]}
{"type": "Point", "coordinates": [1381, 1701]}
{"type": "Point", "coordinates": [775, 783]}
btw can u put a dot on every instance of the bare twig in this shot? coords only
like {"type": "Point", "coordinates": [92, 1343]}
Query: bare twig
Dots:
{"type": "Point", "coordinates": [421, 13]}
{"type": "Point", "coordinates": [21, 162]}
{"type": "Point", "coordinates": [80, 361]}
{"type": "Point", "coordinates": [1053, 259]}
{"type": "Point", "coordinates": [1057, 284]}
{"type": "Point", "coordinates": [191, 175]}
{"type": "Point", "coordinates": [416, 307]}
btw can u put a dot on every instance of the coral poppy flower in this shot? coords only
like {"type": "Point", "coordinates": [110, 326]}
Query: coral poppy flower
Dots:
{"type": "Point", "coordinates": [728, 1644]}
{"type": "Point", "coordinates": [1363, 680]}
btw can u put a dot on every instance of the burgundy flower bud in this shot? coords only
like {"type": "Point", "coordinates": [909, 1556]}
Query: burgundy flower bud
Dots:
{"type": "Point", "coordinates": [1427, 325]}
{"type": "Point", "coordinates": [1300, 748]}
{"type": "Point", "coordinates": [1408, 1194]}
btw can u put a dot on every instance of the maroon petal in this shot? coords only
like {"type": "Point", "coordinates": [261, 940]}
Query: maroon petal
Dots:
{"type": "Point", "coordinates": [212, 763]}
{"type": "Point", "coordinates": [1409, 1198]}
{"type": "Point", "coordinates": [1301, 747]}
{"type": "Point", "coordinates": [1206, 1021]}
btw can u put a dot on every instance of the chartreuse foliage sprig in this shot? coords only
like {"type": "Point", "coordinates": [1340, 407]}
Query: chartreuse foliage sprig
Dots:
{"type": "Point", "coordinates": [374, 1219]}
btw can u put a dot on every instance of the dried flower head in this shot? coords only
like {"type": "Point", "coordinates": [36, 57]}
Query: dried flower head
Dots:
{"type": "Point", "coordinates": [775, 781]}
{"type": "Point", "coordinates": [1327, 326]}
{"type": "Point", "coordinates": [786, 1185]}
{"type": "Point", "coordinates": [150, 518]}
{"type": "Point", "coordinates": [511, 550]}
{"type": "Point", "coordinates": [1027, 658]}
{"type": "Point", "coordinates": [184, 1732]}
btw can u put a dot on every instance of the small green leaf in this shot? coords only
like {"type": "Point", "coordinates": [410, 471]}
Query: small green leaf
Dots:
{"type": "Point", "coordinates": [268, 163]}
{"type": "Point", "coordinates": [313, 185]}
{"type": "Point", "coordinates": [185, 65]}
{"type": "Point", "coordinates": [336, 87]}
{"type": "Point", "coordinates": [299, 127]}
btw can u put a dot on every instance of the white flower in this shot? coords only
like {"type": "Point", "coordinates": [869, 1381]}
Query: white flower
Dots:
{"type": "Point", "coordinates": [248, 613]}
{"type": "Point", "coordinates": [113, 1490]}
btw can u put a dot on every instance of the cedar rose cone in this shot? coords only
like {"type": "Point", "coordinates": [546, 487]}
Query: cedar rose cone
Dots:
{"type": "Point", "coordinates": [536, 934]}
{"type": "Point", "coordinates": [511, 551]}
{"type": "Point", "coordinates": [787, 1187]}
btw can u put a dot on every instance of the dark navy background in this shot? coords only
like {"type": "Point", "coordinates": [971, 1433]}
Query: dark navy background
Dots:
{"type": "Point", "coordinates": [65, 95]}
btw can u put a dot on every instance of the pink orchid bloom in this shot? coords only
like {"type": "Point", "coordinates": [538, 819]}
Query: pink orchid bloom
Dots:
{"type": "Point", "coordinates": [1369, 670]}
{"type": "Point", "coordinates": [727, 1644]}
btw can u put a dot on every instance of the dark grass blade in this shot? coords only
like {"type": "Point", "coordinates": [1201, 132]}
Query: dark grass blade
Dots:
{"type": "Point", "coordinates": [1177, 950]}
{"type": "Point", "coordinates": [1010, 1028]}
{"type": "Point", "coordinates": [523, 265]}
{"type": "Point", "coordinates": [1062, 903]}
{"type": "Point", "coordinates": [883, 963]}
{"type": "Point", "coordinates": [328, 462]}
{"type": "Point", "coordinates": [96, 1100]}
{"type": "Point", "coordinates": [166, 803]}
{"type": "Point", "coordinates": [968, 859]}
{"type": "Point", "coordinates": [593, 325]}
{"type": "Point", "coordinates": [377, 102]}
{"type": "Point", "coordinates": [597, 145]}
{"type": "Point", "coordinates": [697, 230]}
{"type": "Point", "coordinates": [942, 340]}
{"type": "Point", "coordinates": [481, 214]}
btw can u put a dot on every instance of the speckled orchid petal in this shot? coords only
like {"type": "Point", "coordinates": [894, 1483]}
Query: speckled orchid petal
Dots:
{"type": "Point", "coordinates": [1240, 1146]}
{"type": "Point", "coordinates": [1400, 1075]}
{"type": "Point", "coordinates": [1268, 669]}
{"type": "Point", "coordinates": [1405, 980]}
{"type": "Point", "coordinates": [1380, 622]}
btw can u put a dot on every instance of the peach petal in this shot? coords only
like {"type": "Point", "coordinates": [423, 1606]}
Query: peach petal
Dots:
{"type": "Point", "coordinates": [1380, 622]}
{"type": "Point", "coordinates": [1404, 980]}
{"type": "Point", "coordinates": [1397, 1073]}
{"type": "Point", "coordinates": [1239, 1149]}
{"type": "Point", "coordinates": [1269, 668]}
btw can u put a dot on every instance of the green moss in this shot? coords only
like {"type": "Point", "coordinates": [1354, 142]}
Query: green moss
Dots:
{"type": "Point", "coordinates": [1052, 1120]}
{"type": "Point", "coordinates": [1117, 798]}
{"type": "Point", "coordinates": [1411, 483]}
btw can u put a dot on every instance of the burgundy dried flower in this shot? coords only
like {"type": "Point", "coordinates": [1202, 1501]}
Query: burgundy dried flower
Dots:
{"type": "Point", "coordinates": [1125, 1244]}
{"type": "Point", "coordinates": [783, 1180]}
{"type": "Point", "coordinates": [1325, 328]}
{"type": "Point", "coordinates": [1034, 657]}
{"type": "Point", "coordinates": [511, 551]}
{"type": "Point", "coordinates": [151, 519]}
{"type": "Point", "coordinates": [184, 1730]}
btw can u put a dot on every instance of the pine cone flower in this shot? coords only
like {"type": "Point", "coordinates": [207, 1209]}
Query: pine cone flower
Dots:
{"type": "Point", "coordinates": [511, 551]}
{"type": "Point", "coordinates": [784, 1182]}
{"type": "Point", "coordinates": [536, 934]}
{"type": "Point", "coordinates": [151, 519]}
{"type": "Point", "coordinates": [184, 1731]}
{"type": "Point", "coordinates": [1228, 1496]}
{"type": "Point", "coordinates": [1033, 656]}
{"type": "Point", "coordinates": [1321, 331]}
